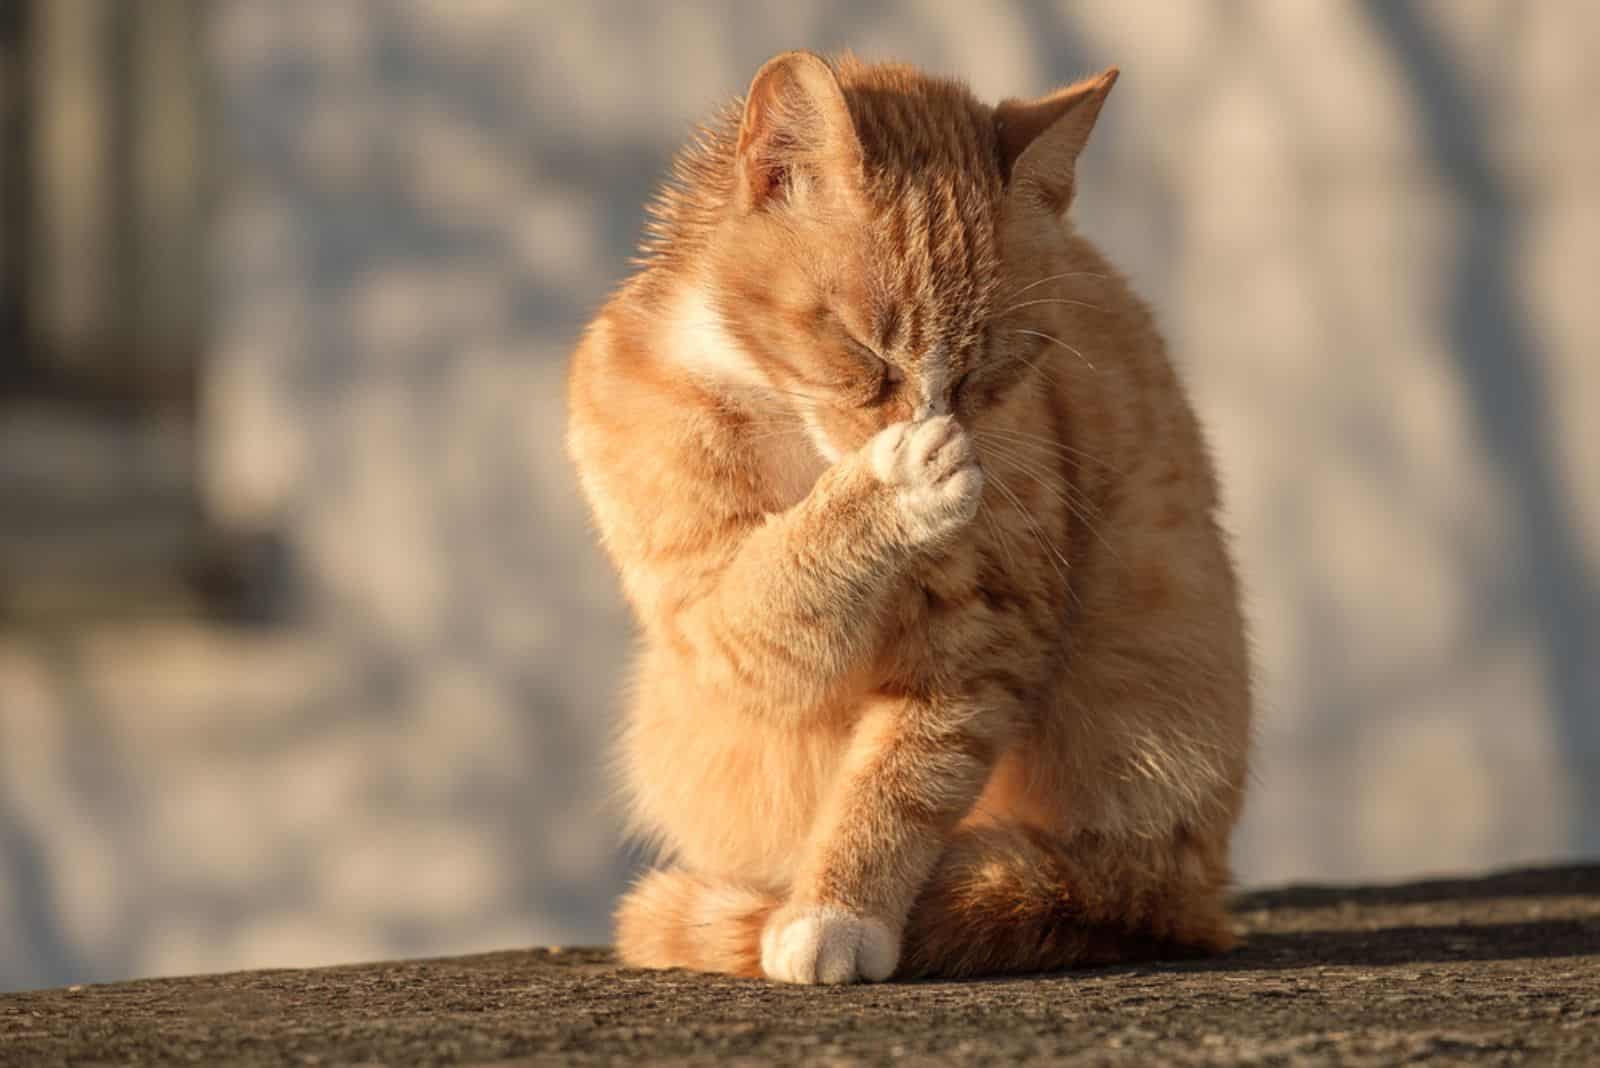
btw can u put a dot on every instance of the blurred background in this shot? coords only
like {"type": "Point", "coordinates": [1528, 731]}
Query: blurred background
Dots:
{"type": "Point", "coordinates": [306, 652]}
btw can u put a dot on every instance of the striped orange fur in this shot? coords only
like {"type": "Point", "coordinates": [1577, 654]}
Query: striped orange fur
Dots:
{"type": "Point", "coordinates": [942, 665]}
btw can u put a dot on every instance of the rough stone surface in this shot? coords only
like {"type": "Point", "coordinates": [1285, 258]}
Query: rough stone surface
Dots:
{"type": "Point", "coordinates": [1501, 970]}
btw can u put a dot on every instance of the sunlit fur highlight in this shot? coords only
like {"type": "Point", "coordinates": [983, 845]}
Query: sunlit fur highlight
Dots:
{"type": "Point", "coordinates": [1016, 738]}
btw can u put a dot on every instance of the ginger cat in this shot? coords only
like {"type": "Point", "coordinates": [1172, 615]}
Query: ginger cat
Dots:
{"type": "Point", "coordinates": [943, 670]}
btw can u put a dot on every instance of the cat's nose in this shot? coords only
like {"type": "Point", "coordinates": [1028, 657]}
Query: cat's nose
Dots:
{"type": "Point", "coordinates": [930, 403]}
{"type": "Point", "coordinates": [932, 391]}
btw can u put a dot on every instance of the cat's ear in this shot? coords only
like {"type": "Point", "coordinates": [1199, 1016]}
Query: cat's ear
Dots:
{"type": "Point", "coordinates": [796, 131]}
{"type": "Point", "coordinates": [1040, 139]}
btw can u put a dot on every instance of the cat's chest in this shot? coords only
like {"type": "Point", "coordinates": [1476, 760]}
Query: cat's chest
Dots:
{"type": "Point", "coordinates": [939, 609]}
{"type": "Point", "coordinates": [965, 611]}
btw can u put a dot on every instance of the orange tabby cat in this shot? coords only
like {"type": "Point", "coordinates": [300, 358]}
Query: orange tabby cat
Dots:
{"type": "Point", "coordinates": [943, 669]}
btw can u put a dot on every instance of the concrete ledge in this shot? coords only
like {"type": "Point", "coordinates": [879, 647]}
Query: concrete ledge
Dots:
{"type": "Point", "coordinates": [1500, 970]}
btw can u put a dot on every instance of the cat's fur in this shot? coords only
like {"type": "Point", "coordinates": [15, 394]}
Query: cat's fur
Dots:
{"type": "Point", "coordinates": [943, 670]}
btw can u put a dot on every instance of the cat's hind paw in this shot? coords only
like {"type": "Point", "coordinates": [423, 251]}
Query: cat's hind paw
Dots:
{"type": "Point", "coordinates": [827, 944]}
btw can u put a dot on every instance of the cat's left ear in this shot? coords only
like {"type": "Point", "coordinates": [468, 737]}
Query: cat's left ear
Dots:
{"type": "Point", "coordinates": [796, 133]}
{"type": "Point", "coordinates": [1040, 139]}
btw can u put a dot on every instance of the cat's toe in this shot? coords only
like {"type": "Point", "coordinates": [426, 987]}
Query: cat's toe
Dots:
{"type": "Point", "coordinates": [830, 945]}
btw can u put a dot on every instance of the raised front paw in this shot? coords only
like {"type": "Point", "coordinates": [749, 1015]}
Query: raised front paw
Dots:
{"type": "Point", "coordinates": [932, 468]}
{"type": "Point", "coordinates": [827, 944]}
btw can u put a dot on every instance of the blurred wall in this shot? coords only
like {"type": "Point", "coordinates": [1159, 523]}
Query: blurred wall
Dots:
{"type": "Point", "coordinates": [1372, 235]}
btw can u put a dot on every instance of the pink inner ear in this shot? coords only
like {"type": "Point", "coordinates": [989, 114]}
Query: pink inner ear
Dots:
{"type": "Point", "coordinates": [778, 109]}
{"type": "Point", "coordinates": [763, 167]}
{"type": "Point", "coordinates": [760, 150]}
{"type": "Point", "coordinates": [795, 116]}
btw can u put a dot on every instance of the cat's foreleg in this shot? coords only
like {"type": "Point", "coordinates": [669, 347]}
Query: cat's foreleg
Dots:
{"type": "Point", "coordinates": [794, 614]}
{"type": "Point", "coordinates": [915, 768]}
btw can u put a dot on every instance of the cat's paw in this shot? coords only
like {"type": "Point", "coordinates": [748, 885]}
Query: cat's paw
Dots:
{"type": "Point", "coordinates": [827, 944]}
{"type": "Point", "coordinates": [932, 467]}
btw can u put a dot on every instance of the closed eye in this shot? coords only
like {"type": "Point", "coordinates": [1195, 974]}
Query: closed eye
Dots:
{"type": "Point", "coordinates": [889, 379]}
{"type": "Point", "coordinates": [886, 377]}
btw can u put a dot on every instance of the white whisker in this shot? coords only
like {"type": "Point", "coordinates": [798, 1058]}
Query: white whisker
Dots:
{"type": "Point", "coordinates": [1058, 341]}
{"type": "Point", "coordinates": [1048, 300]}
{"type": "Point", "coordinates": [1074, 495]}
{"type": "Point", "coordinates": [1051, 553]}
{"type": "Point", "coordinates": [1053, 278]}
{"type": "Point", "coordinates": [1080, 509]}
{"type": "Point", "coordinates": [1000, 539]}
{"type": "Point", "coordinates": [1036, 441]}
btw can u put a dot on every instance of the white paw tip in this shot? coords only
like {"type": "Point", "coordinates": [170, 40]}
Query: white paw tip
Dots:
{"type": "Point", "coordinates": [830, 945]}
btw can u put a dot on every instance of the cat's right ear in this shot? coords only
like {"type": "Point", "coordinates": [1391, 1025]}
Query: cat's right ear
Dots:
{"type": "Point", "coordinates": [796, 133]}
{"type": "Point", "coordinates": [1040, 139]}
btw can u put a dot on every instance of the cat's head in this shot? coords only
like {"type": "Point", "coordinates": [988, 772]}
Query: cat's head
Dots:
{"type": "Point", "coordinates": [874, 220]}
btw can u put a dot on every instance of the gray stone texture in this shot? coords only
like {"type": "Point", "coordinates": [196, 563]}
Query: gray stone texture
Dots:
{"type": "Point", "coordinates": [1498, 971]}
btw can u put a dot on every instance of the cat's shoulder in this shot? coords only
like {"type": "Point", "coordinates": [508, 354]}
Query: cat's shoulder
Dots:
{"type": "Point", "coordinates": [631, 389]}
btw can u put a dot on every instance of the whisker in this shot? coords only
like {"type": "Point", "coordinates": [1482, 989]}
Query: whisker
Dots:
{"type": "Point", "coordinates": [997, 530]}
{"type": "Point", "coordinates": [1068, 494]}
{"type": "Point", "coordinates": [1017, 357]}
{"type": "Point", "coordinates": [1052, 554]}
{"type": "Point", "coordinates": [1079, 510]}
{"type": "Point", "coordinates": [1058, 341]}
{"type": "Point", "coordinates": [1037, 441]}
{"type": "Point", "coordinates": [1048, 300]}
{"type": "Point", "coordinates": [1052, 278]}
{"type": "Point", "coordinates": [1074, 496]}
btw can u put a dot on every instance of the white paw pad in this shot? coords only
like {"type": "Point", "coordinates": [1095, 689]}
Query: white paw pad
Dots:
{"type": "Point", "coordinates": [828, 944]}
{"type": "Point", "coordinates": [932, 468]}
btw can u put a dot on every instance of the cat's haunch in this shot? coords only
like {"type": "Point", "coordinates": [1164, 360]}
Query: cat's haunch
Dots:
{"type": "Point", "coordinates": [942, 668]}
